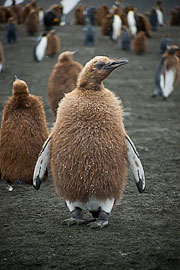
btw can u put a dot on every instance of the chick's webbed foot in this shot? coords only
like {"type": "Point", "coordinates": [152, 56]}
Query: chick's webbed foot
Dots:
{"type": "Point", "coordinates": [100, 222]}
{"type": "Point", "coordinates": [76, 218]}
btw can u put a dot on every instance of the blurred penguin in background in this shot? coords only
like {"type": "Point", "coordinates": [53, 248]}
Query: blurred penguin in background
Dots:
{"type": "Point", "coordinates": [125, 39]}
{"type": "Point", "coordinates": [32, 22]}
{"type": "Point", "coordinates": [89, 15]}
{"type": "Point", "coordinates": [165, 43]}
{"type": "Point", "coordinates": [62, 79]}
{"type": "Point", "coordinates": [11, 31]}
{"type": "Point", "coordinates": [16, 12]}
{"type": "Point", "coordinates": [116, 27]}
{"type": "Point", "coordinates": [132, 22]}
{"type": "Point", "coordinates": [39, 48]}
{"type": "Point", "coordinates": [53, 43]}
{"type": "Point", "coordinates": [153, 19]}
{"type": "Point", "coordinates": [139, 43]}
{"type": "Point", "coordinates": [168, 73]}
{"type": "Point", "coordinates": [89, 33]}
{"type": "Point", "coordinates": [2, 58]}
{"type": "Point", "coordinates": [159, 11]}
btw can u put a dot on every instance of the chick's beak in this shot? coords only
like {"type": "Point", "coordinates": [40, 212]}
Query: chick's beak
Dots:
{"type": "Point", "coordinates": [114, 64]}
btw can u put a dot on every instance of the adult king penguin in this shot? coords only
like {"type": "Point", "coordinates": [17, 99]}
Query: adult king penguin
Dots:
{"type": "Point", "coordinates": [88, 147]}
{"type": "Point", "coordinates": [116, 27]}
{"type": "Point", "coordinates": [40, 47]}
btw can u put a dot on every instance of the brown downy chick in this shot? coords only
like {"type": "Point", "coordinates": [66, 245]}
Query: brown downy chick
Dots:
{"type": "Point", "coordinates": [139, 43]}
{"type": "Point", "coordinates": [23, 132]}
{"type": "Point", "coordinates": [88, 148]}
{"type": "Point", "coordinates": [62, 79]}
{"type": "Point", "coordinates": [53, 44]}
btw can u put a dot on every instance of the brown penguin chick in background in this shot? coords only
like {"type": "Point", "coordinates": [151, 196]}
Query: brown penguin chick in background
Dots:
{"type": "Point", "coordinates": [23, 132]}
{"type": "Point", "coordinates": [32, 22]}
{"type": "Point", "coordinates": [53, 44]}
{"type": "Point", "coordinates": [62, 79]}
{"type": "Point", "coordinates": [139, 43]}
{"type": "Point", "coordinates": [88, 148]}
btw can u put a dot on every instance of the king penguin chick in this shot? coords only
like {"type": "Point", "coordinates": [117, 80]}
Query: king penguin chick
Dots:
{"type": "Point", "coordinates": [62, 79]}
{"type": "Point", "coordinates": [53, 43]}
{"type": "Point", "coordinates": [23, 131]}
{"type": "Point", "coordinates": [88, 147]}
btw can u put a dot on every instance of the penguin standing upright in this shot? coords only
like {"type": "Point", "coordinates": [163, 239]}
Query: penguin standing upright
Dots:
{"type": "Point", "coordinates": [171, 71]}
{"type": "Point", "coordinates": [2, 58]}
{"type": "Point", "coordinates": [32, 22]}
{"type": "Point", "coordinates": [23, 131]}
{"type": "Point", "coordinates": [116, 27]}
{"type": "Point", "coordinates": [132, 22]}
{"type": "Point", "coordinates": [153, 19]}
{"type": "Point", "coordinates": [159, 11]}
{"type": "Point", "coordinates": [39, 48]}
{"type": "Point", "coordinates": [11, 31]}
{"type": "Point", "coordinates": [89, 33]}
{"type": "Point", "coordinates": [139, 43]}
{"type": "Point", "coordinates": [62, 79]}
{"type": "Point", "coordinates": [53, 43]}
{"type": "Point", "coordinates": [125, 39]}
{"type": "Point", "coordinates": [88, 147]}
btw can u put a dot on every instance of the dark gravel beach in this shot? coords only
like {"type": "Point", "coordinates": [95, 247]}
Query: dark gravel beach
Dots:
{"type": "Point", "coordinates": [144, 229]}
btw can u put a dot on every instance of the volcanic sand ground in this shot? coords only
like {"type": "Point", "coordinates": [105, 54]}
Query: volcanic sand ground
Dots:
{"type": "Point", "coordinates": [144, 229]}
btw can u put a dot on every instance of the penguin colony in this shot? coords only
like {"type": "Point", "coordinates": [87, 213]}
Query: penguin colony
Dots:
{"type": "Point", "coordinates": [167, 77]}
{"type": "Point", "coordinates": [62, 79]}
{"type": "Point", "coordinates": [23, 132]}
{"type": "Point", "coordinates": [88, 146]}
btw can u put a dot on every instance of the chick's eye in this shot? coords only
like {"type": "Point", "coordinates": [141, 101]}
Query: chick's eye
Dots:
{"type": "Point", "coordinates": [99, 65]}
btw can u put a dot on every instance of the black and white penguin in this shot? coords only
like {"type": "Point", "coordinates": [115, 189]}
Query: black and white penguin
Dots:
{"type": "Point", "coordinates": [88, 147]}
{"type": "Point", "coordinates": [39, 48]}
{"type": "Point", "coordinates": [116, 27]}
{"type": "Point", "coordinates": [89, 33]}
{"type": "Point", "coordinates": [132, 22]}
{"type": "Point", "coordinates": [159, 11]}
{"type": "Point", "coordinates": [168, 73]}
{"type": "Point", "coordinates": [2, 58]}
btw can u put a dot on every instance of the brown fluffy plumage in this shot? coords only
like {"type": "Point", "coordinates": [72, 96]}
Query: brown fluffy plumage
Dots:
{"type": "Point", "coordinates": [139, 43]}
{"type": "Point", "coordinates": [144, 25]}
{"type": "Point", "coordinates": [79, 15]}
{"type": "Point", "coordinates": [88, 149]}
{"type": "Point", "coordinates": [32, 22]}
{"type": "Point", "coordinates": [101, 13]}
{"type": "Point", "coordinates": [23, 132]}
{"type": "Point", "coordinates": [62, 79]}
{"type": "Point", "coordinates": [53, 44]}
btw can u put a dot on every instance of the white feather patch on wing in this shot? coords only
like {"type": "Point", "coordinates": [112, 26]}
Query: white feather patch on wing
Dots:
{"type": "Point", "coordinates": [42, 162]}
{"type": "Point", "coordinates": [169, 82]}
{"type": "Point", "coordinates": [135, 162]}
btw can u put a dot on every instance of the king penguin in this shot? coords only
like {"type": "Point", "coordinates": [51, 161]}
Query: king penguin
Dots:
{"type": "Point", "coordinates": [2, 58]}
{"type": "Point", "coordinates": [116, 27]}
{"type": "Point", "coordinates": [132, 22]}
{"type": "Point", "coordinates": [88, 147]}
{"type": "Point", "coordinates": [39, 48]}
{"type": "Point", "coordinates": [23, 131]}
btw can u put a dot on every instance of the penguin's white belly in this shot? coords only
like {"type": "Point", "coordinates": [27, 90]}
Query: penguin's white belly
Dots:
{"type": "Point", "coordinates": [132, 23]}
{"type": "Point", "coordinates": [1, 68]}
{"type": "Point", "coordinates": [117, 23]}
{"type": "Point", "coordinates": [160, 16]}
{"type": "Point", "coordinates": [169, 82]}
{"type": "Point", "coordinates": [92, 205]}
{"type": "Point", "coordinates": [41, 48]}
